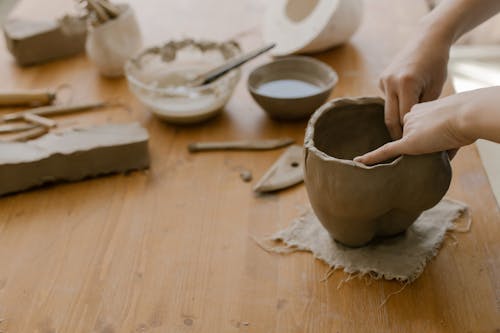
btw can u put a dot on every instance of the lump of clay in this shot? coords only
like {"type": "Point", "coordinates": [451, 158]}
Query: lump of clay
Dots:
{"type": "Point", "coordinates": [72, 155]}
{"type": "Point", "coordinates": [34, 42]}
{"type": "Point", "coordinates": [308, 26]}
{"type": "Point", "coordinates": [354, 202]}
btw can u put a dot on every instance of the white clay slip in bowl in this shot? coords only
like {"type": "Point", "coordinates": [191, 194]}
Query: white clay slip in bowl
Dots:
{"type": "Point", "coordinates": [292, 88]}
{"type": "Point", "coordinates": [159, 78]}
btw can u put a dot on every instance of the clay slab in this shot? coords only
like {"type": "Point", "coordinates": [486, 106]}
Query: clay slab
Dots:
{"type": "Point", "coordinates": [34, 42]}
{"type": "Point", "coordinates": [72, 155]}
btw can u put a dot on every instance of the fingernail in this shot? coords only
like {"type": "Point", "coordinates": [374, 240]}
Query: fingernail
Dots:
{"type": "Point", "coordinates": [358, 159]}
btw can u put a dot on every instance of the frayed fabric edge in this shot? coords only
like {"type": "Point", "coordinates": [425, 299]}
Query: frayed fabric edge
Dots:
{"type": "Point", "coordinates": [269, 244]}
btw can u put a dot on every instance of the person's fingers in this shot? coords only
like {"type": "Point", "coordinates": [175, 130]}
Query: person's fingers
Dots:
{"type": "Point", "coordinates": [429, 95]}
{"type": "Point", "coordinates": [391, 115]}
{"type": "Point", "coordinates": [384, 153]}
{"type": "Point", "coordinates": [381, 85]}
{"type": "Point", "coordinates": [407, 99]}
{"type": "Point", "coordinates": [452, 153]}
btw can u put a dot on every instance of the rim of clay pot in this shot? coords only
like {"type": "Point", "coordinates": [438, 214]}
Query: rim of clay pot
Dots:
{"type": "Point", "coordinates": [333, 77]}
{"type": "Point", "coordinates": [338, 102]}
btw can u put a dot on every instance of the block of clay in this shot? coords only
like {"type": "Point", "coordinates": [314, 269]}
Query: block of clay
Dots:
{"type": "Point", "coordinates": [34, 42]}
{"type": "Point", "coordinates": [72, 155]}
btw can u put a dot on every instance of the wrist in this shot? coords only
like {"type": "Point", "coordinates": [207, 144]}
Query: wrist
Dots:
{"type": "Point", "coordinates": [466, 125]}
{"type": "Point", "coordinates": [436, 33]}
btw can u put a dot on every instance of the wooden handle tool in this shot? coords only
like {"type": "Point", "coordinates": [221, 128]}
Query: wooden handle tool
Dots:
{"type": "Point", "coordinates": [240, 145]}
{"type": "Point", "coordinates": [26, 97]}
{"type": "Point", "coordinates": [53, 110]}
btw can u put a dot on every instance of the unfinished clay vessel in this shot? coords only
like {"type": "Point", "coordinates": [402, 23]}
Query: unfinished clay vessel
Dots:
{"type": "Point", "coordinates": [357, 203]}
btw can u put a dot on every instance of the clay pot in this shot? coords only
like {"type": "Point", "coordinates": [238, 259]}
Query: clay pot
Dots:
{"type": "Point", "coordinates": [357, 203]}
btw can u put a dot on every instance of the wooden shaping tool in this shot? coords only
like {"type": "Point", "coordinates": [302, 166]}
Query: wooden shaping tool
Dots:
{"type": "Point", "coordinates": [285, 172]}
{"type": "Point", "coordinates": [26, 97]}
{"type": "Point", "coordinates": [11, 128]}
{"type": "Point", "coordinates": [240, 145]}
{"type": "Point", "coordinates": [38, 120]}
{"type": "Point", "coordinates": [30, 134]}
{"type": "Point", "coordinates": [53, 110]}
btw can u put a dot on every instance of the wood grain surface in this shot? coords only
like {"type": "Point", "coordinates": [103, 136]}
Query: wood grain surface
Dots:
{"type": "Point", "coordinates": [170, 250]}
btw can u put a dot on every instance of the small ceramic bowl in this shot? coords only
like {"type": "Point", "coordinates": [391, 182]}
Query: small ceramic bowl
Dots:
{"type": "Point", "coordinates": [158, 77]}
{"type": "Point", "coordinates": [292, 88]}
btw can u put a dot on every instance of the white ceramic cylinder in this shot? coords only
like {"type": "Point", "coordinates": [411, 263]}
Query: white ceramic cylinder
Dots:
{"type": "Point", "coordinates": [309, 26]}
{"type": "Point", "coordinates": [111, 44]}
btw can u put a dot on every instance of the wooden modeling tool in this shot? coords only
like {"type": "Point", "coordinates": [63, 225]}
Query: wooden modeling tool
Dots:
{"type": "Point", "coordinates": [53, 110]}
{"type": "Point", "coordinates": [240, 145]}
{"type": "Point", "coordinates": [26, 97]}
{"type": "Point", "coordinates": [39, 120]}
{"type": "Point", "coordinates": [101, 11]}
{"type": "Point", "coordinates": [12, 128]}
{"type": "Point", "coordinates": [285, 172]}
{"type": "Point", "coordinates": [27, 135]}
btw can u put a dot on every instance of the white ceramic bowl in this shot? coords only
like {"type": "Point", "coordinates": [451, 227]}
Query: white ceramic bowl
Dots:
{"type": "Point", "coordinates": [157, 76]}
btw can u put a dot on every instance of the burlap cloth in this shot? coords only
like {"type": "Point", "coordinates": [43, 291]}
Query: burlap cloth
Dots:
{"type": "Point", "coordinates": [402, 257]}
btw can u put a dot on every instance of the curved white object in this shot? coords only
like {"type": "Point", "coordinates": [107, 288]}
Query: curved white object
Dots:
{"type": "Point", "coordinates": [308, 26]}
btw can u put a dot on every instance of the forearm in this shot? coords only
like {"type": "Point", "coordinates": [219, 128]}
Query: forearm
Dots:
{"type": "Point", "coordinates": [453, 18]}
{"type": "Point", "coordinates": [480, 119]}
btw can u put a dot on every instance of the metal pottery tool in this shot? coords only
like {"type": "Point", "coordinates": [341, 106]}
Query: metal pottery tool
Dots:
{"type": "Point", "coordinates": [231, 64]}
{"type": "Point", "coordinates": [285, 172]}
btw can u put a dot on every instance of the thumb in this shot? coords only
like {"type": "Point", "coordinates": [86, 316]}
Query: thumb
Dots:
{"type": "Point", "coordinates": [387, 151]}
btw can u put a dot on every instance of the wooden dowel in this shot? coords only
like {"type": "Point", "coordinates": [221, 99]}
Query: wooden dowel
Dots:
{"type": "Point", "coordinates": [26, 97]}
{"type": "Point", "coordinates": [53, 110]}
{"type": "Point", "coordinates": [240, 145]}
{"type": "Point", "coordinates": [99, 11]}
{"type": "Point", "coordinates": [38, 120]}
{"type": "Point", "coordinates": [29, 134]}
{"type": "Point", "coordinates": [10, 128]}
{"type": "Point", "coordinates": [112, 10]}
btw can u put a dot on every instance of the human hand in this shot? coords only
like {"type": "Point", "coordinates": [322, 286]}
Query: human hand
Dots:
{"type": "Point", "coordinates": [435, 126]}
{"type": "Point", "coordinates": [416, 75]}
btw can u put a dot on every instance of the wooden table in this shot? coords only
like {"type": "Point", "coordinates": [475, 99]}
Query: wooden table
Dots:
{"type": "Point", "coordinates": [170, 250]}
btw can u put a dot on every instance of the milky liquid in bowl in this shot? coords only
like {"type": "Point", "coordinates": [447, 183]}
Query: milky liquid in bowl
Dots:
{"type": "Point", "coordinates": [288, 88]}
{"type": "Point", "coordinates": [159, 77]}
{"type": "Point", "coordinates": [180, 98]}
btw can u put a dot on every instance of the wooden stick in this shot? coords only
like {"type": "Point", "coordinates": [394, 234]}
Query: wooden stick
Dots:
{"type": "Point", "coordinates": [38, 120]}
{"type": "Point", "coordinates": [10, 128]}
{"type": "Point", "coordinates": [112, 10]}
{"type": "Point", "coordinates": [98, 10]}
{"type": "Point", "coordinates": [53, 110]}
{"type": "Point", "coordinates": [29, 134]}
{"type": "Point", "coordinates": [240, 145]}
{"type": "Point", "coordinates": [26, 97]}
